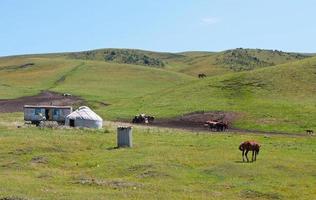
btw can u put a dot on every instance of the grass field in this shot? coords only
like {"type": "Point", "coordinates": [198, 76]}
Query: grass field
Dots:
{"type": "Point", "coordinates": [163, 164]}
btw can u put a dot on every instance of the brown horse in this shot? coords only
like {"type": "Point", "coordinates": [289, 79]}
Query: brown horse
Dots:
{"type": "Point", "coordinates": [216, 125]}
{"type": "Point", "coordinates": [309, 131]}
{"type": "Point", "coordinates": [249, 146]}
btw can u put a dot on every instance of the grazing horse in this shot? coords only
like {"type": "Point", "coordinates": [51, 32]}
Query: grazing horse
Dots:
{"type": "Point", "coordinates": [310, 131]}
{"type": "Point", "coordinates": [201, 75]}
{"type": "Point", "coordinates": [151, 119]}
{"type": "Point", "coordinates": [215, 125]}
{"type": "Point", "coordinates": [249, 146]}
{"type": "Point", "coordinates": [143, 119]}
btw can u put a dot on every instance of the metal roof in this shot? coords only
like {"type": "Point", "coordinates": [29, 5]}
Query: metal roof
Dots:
{"type": "Point", "coordinates": [47, 106]}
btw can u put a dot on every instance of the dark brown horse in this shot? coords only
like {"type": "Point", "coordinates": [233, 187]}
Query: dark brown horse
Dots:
{"type": "Point", "coordinates": [247, 146]}
{"type": "Point", "coordinates": [216, 125]}
{"type": "Point", "coordinates": [201, 75]}
{"type": "Point", "coordinates": [142, 118]}
{"type": "Point", "coordinates": [309, 131]}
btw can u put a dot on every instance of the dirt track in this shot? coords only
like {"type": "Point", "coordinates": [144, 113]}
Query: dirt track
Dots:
{"type": "Point", "coordinates": [44, 98]}
{"type": "Point", "coordinates": [195, 122]}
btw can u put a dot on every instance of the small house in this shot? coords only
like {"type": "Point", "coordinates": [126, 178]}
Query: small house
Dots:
{"type": "Point", "coordinates": [84, 117]}
{"type": "Point", "coordinates": [35, 114]}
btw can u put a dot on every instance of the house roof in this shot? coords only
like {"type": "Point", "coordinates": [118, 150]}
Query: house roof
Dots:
{"type": "Point", "coordinates": [85, 113]}
{"type": "Point", "coordinates": [47, 106]}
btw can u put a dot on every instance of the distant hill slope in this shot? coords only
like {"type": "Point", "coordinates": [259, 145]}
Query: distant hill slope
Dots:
{"type": "Point", "coordinates": [191, 63]}
{"type": "Point", "coordinates": [233, 61]}
{"type": "Point", "coordinates": [123, 56]}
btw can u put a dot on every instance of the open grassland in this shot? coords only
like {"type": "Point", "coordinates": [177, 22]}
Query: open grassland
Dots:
{"type": "Point", "coordinates": [163, 164]}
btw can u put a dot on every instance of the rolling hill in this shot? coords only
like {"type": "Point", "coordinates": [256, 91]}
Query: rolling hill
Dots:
{"type": "Point", "coordinates": [62, 163]}
{"type": "Point", "coordinates": [269, 90]}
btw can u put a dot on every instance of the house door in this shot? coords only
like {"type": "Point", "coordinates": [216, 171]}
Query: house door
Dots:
{"type": "Point", "coordinates": [47, 114]}
{"type": "Point", "coordinates": [72, 122]}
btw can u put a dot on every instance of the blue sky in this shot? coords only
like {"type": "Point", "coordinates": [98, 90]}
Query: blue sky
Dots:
{"type": "Point", "coordinates": [40, 26]}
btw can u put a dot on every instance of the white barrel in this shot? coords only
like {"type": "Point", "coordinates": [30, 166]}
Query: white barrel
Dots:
{"type": "Point", "coordinates": [124, 136]}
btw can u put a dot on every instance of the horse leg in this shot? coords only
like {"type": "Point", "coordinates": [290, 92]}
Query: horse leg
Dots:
{"type": "Point", "coordinates": [253, 152]}
{"type": "Point", "coordinates": [243, 155]}
{"type": "Point", "coordinates": [255, 156]}
{"type": "Point", "coordinates": [246, 154]}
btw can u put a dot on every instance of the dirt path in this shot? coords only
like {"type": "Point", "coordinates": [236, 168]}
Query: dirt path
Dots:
{"type": "Point", "coordinates": [206, 130]}
{"type": "Point", "coordinates": [194, 122]}
{"type": "Point", "coordinates": [44, 98]}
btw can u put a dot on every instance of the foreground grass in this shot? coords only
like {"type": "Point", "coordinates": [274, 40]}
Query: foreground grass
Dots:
{"type": "Point", "coordinates": [163, 164]}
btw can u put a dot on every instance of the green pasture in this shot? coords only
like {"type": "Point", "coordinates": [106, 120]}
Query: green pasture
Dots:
{"type": "Point", "coordinates": [163, 164]}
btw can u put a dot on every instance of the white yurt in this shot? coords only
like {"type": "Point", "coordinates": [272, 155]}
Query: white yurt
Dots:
{"type": "Point", "coordinates": [84, 117]}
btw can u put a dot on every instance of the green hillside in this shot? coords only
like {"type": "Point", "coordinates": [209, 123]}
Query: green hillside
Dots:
{"type": "Point", "coordinates": [270, 98]}
{"type": "Point", "coordinates": [234, 60]}
{"type": "Point", "coordinates": [24, 76]}
{"type": "Point", "coordinates": [191, 63]}
{"type": "Point", "coordinates": [273, 98]}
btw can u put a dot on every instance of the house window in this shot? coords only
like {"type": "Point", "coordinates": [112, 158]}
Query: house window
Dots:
{"type": "Point", "coordinates": [56, 112]}
{"type": "Point", "coordinates": [37, 111]}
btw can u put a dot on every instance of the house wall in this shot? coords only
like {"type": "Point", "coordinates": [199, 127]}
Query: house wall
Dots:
{"type": "Point", "coordinates": [56, 114]}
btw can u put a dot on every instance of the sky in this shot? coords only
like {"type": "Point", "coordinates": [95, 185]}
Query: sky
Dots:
{"type": "Point", "coordinates": [46, 26]}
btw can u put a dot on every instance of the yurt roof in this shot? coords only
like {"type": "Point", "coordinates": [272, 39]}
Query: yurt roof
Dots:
{"type": "Point", "coordinates": [85, 113]}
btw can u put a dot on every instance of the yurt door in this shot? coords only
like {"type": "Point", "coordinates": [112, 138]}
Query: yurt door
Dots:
{"type": "Point", "coordinates": [72, 122]}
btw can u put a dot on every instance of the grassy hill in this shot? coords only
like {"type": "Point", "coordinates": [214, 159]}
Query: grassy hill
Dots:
{"type": "Point", "coordinates": [270, 98]}
{"type": "Point", "coordinates": [125, 56]}
{"type": "Point", "coordinates": [234, 60]}
{"type": "Point", "coordinates": [273, 98]}
{"type": "Point", "coordinates": [191, 63]}
{"type": "Point", "coordinates": [24, 76]}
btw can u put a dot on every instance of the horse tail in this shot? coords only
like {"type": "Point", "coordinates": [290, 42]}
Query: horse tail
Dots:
{"type": "Point", "coordinates": [258, 149]}
{"type": "Point", "coordinates": [240, 147]}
